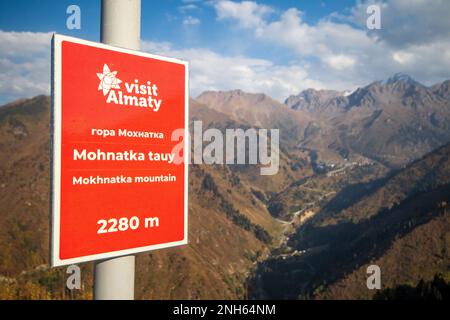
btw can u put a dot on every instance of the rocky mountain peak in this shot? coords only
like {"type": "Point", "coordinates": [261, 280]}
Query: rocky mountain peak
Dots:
{"type": "Point", "coordinates": [401, 78]}
{"type": "Point", "coordinates": [311, 98]}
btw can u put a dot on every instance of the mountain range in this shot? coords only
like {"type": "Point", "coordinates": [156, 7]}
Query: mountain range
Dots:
{"type": "Point", "coordinates": [393, 121]}
{"type": "Point", "coordinates": [363, 179]}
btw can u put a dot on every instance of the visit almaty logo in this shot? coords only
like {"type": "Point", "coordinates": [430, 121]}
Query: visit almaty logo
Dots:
{"type": "Point", "coordinates": [135, 94]}
{"type": "Point", "coordinates": [108, 80]}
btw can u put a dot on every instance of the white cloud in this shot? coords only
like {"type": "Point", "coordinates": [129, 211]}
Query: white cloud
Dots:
{"type": "Point", "coordinates": [340, 61]}
{"type": "Point", "coordinates": [343, 55]}
{"type": "Point", "coordinates": [248, 13]}
{"type": "Point", "coordinates": [403, 57]}
{"type": "Point", "coordinates": [212, 71]}
{"type": "Point", "coordinates": [191, 21]}
{"type": "Point", "coordinates": [408, 22]}
{"type": "Point", "coordinates": [24, 64]}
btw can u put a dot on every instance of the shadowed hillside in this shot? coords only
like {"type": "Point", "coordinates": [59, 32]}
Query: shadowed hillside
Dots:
{"type": "Point", "coordinates": [401, 224]}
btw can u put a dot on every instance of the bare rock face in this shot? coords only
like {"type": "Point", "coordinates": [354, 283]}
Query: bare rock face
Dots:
{"type": "Point", "coordinates": [311, 99]}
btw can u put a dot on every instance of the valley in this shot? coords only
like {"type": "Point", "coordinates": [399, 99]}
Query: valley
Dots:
{"type": "Point", "coordinates": [326, 257]}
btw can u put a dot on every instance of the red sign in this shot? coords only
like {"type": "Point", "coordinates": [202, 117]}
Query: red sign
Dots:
{"type": "Point", "coordinates": [119, 170]}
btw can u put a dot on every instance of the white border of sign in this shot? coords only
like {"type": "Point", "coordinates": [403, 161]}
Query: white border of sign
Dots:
{"type": "Point", "coordinates": [55, 185]}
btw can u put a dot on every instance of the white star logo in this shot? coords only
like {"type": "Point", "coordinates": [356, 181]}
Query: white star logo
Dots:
{"type": "Point", "coordinates": [108, 80]}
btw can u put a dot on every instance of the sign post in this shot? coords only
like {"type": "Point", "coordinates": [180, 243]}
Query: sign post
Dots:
{"type": "Point", "coordinates": [119, 151]}
{"type": "Point", "coordinates": [120, 26]}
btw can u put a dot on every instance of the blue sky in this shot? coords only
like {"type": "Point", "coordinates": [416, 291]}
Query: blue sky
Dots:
{"type": "Point", "coordinates": [164, 16]}
{"type": "Point", "coordinates": [162, 21]}
{"type": "Point", "coordinates": [275, 47]}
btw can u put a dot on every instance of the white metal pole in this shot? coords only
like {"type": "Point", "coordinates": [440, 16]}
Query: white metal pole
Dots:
{"type": "Point", "coordinates": [114, 279]}
{"type": "Point", "coordinates": [121, 23]}
{"type": "Point", "coordinates": [120, 26]}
